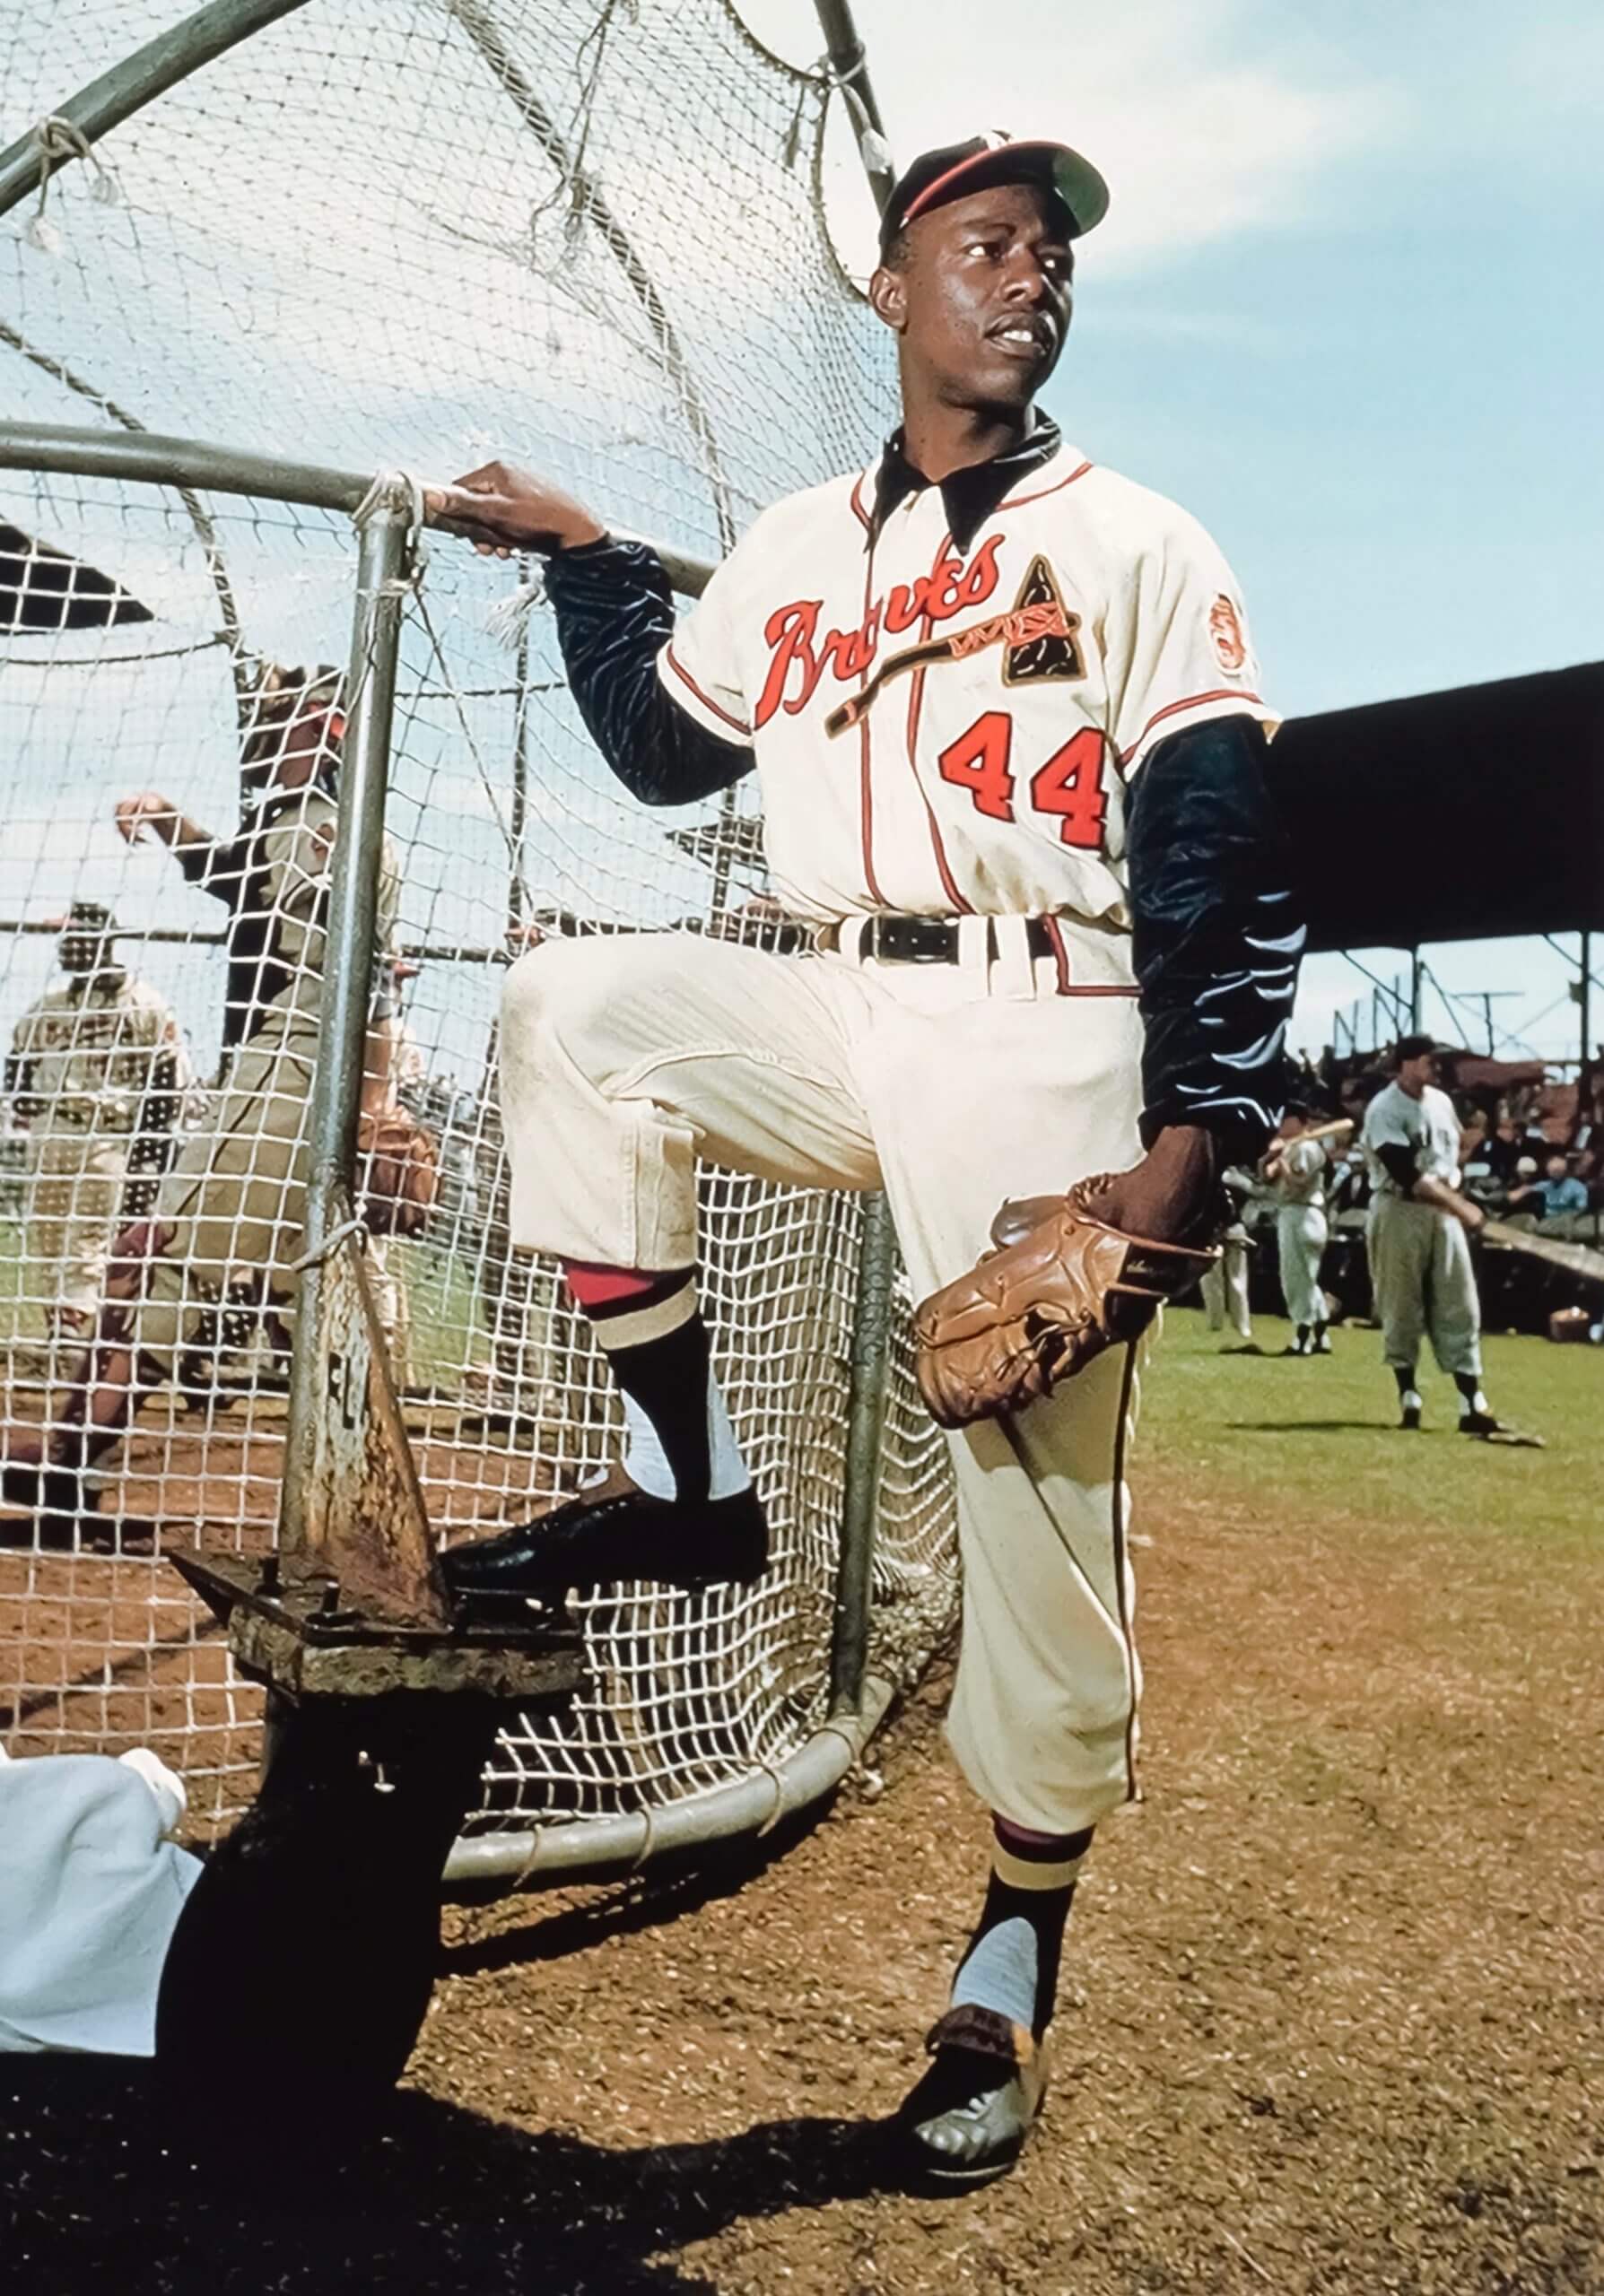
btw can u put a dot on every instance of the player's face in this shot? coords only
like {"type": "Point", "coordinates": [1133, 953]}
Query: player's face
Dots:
{"type": "Point", "coordinates": [982, 300]}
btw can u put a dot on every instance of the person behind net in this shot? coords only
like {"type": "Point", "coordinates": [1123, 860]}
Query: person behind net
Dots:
{"type": "Point", "coordinates": [227, 1220]}
{"type": "Point", "coordinates": [1417, 1237]}
{"type": "Point", "coordinates": [96, 1073]}
{"type": "Point", "coordinates": [1002, 706]}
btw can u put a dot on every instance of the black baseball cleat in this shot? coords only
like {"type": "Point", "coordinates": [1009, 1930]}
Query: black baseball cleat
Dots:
{"type": "Point", "coordinates": [965, 2122]}
{"type": "Point", "coordinates": [628, 1534]}
{"type": "Point", "coordinates": [59, 1496]}
{"type": "Point", "coordinates": [1409, 1416]}
{"type": "Point", "coordinates": [1483, 1424]}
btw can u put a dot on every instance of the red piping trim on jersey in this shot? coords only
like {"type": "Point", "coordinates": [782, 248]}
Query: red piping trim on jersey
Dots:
{"type": "Point", "coordinates": [864, 520]}
{"type": "Point", "coordinates": [915, 702]}
{"type": "Point", "coordinates": [1014, 501]}
{"type": "Point", "coordinates": [706, 700]}
{"type": "Point", "coordinates": [866, 775]}
{"type": "Point", "coordinates": [1193, 702]}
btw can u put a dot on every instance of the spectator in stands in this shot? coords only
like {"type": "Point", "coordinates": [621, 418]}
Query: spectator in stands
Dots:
{"type": "Point", "coordinates": [1559, 1191]}
{"type": "Point", "coordinates": [1502, 1152]}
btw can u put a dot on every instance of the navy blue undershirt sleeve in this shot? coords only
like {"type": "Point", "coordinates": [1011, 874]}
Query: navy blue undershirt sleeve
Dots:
{"type": "Point", "coordinates": [1217, 931]}
{"type": "Point", "coordinates": [614, 610]}
{"type": "Point", "coordinates": [1399, 1163]}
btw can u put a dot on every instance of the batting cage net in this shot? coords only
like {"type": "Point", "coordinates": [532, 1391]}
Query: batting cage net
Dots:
{"type": "Point", "coordinates": [374, 235]}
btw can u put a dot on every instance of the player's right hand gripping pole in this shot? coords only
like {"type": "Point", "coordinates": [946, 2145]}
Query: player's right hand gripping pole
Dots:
{"type": "Point", "coordinates": [1037, 1310]}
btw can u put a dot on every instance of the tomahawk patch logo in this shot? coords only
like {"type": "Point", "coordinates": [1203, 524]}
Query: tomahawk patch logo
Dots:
{"type": "Point", "coordinates": [1051, 647]}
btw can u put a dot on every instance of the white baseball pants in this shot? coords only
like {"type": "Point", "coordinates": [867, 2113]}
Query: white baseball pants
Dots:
{"type": "Point", "coordinates": [1224, 1288]}
{"type": "Point", "coordinates": [953, 1086]}
{"type": "Point", "coordinates": [1424, 1282]}
{"type": "Point", "coordinates": [1300, 1246]}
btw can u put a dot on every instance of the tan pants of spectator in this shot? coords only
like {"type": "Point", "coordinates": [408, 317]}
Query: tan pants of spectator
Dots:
{"type": "Point", "coordinates": [235, 1200]}
{"type": "Point", "coordinates": [75, 1180]}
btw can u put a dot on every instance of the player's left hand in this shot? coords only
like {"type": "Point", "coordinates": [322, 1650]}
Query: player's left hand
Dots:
{"type": "Point", "coordinates": [1170, 1196]}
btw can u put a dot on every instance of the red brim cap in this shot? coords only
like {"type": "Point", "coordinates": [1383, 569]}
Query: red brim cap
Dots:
{"type": "Point", "coordinates": [936, 178]}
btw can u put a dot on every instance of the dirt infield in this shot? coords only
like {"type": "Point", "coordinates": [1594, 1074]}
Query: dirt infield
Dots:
{"type": "Point", "coordinates": [1331, 2018]}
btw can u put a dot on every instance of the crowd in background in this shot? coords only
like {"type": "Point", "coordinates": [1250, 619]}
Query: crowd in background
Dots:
{"type": "Point", "coordinates": [1531, 1155]}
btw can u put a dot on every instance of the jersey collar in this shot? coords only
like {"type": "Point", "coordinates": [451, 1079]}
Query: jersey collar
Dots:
{"type": "Point", "coordinates": [969, 496]}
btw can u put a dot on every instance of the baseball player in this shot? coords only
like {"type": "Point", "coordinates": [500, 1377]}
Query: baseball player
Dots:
{"type": "Point", "coordinates": [1295, 1168]}
{"type": "Point", "coordinates": [228, 1216]}
{"type": "Point", "coordinates": [1418, 1236]}
{"type": "Point", "coordinates": [1224, 1285]}
{"type": "Point", "coordinates": [97, 1071]}
{"type": "Point", "coordinates": [1006, 720]}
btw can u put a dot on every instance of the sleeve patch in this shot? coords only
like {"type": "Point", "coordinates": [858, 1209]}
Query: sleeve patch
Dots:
{"type": "Point", "coordinates": [1227, 636]}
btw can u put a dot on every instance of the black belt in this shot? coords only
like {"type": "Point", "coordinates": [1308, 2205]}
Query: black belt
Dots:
{"type": "Point", "coordinates": [934, 940]}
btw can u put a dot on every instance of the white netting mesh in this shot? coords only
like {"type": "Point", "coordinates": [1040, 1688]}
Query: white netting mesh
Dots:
{"type": "Point", "coordinates": [378, 235]}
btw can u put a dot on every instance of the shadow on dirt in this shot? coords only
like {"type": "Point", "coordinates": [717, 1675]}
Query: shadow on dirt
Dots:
{"type": "Point", "coordinates": [100, 2193]}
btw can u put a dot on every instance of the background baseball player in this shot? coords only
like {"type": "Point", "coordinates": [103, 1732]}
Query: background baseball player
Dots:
{"type": "Point", "coordinates": [228, 1216]}
{"type": "Point", "coordinates": [1224, 1284]}
{"type": "Point", "coordinates": [97, 1071]}
{"type": "Point", "coordinates": [1295, 1168]}
{"type": "Point", "coordinates": [1005, 716]}
{"type": "Point", "coordinates": [1417, 1236]}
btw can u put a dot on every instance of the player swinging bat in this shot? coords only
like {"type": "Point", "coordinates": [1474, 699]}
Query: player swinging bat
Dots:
{"type": "Point", "coordinates": [1011, 739]}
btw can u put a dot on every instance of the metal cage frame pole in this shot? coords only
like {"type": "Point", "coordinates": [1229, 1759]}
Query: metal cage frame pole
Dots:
{"type": "Point", "coordinates": [137, 80]}
{"type": "Point", "coordinates": [849, 63]}
{"type": "Point", "coordinates": [350, 950]}
{"type": "Point", "coordinates": [866, 1428]}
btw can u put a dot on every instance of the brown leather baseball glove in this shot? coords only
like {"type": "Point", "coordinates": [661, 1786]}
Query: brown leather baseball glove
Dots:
{"type": "Point", "coordinates": [1039, 1309]}
{"type": "Point", "coordinates": [398, 1173]}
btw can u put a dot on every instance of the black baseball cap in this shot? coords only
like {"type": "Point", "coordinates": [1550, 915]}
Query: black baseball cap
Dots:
{"type": "Point", "coordinates": [956, 170]}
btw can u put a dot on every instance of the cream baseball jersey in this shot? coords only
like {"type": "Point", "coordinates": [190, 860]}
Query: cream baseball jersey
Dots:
{"type": "Point", "coordinates": [939, 730]}
{"type": "Point", "coordinates": [1429, 1125]}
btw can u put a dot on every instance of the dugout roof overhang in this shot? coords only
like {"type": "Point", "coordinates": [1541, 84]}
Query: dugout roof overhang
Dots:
{"type": "Point", "coordinates": [1464, 815]}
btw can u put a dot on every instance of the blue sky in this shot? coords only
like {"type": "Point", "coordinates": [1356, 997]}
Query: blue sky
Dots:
{"type": "Point", "coordinates": [1345, 309]}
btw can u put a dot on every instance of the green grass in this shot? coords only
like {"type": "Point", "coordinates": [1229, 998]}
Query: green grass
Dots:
{"type": "Point", "coordinates": [1319, 1436]}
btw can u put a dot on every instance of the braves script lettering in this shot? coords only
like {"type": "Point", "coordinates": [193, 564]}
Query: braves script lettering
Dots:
{"type": "Point", "coordinates": [798, 656]}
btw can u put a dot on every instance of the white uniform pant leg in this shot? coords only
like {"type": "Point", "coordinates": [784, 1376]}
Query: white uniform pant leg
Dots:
{"type": "Point", "coordinates": [1453, 1308]}
{"type": "Point", "coordinates": [974, 1099]}
{"type": "Point", "coordinates": [622, 1058]}
{"type": "Point", "coordinates": [1398, 1238]}
{"type": "Point", "coordinates": [1300, 1244]}
{"type": "Point", "coordinates": [1234, 1268]}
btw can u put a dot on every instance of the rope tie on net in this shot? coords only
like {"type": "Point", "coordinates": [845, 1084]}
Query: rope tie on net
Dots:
{"type": "Point", "coordinates": [56, 140]}
{"type": "Point", "coordinates": [873, 149]}
{"type": "Point", "coordinates": [354, 1226]}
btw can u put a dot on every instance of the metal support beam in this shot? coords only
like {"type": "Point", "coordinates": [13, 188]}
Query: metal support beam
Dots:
{"type": "Point", "coordinates": [1585, 998]}
{"type": "Point", "coordinates": [137, 81]}
{"type": "Point", "coordinates": [849, 66]}
{"type": "Point", "coordinates": [161, 458]}
{"type": "Point", "coordinates": [866, 1422]}
{"type": "Point", "coordinates": [348, 966]}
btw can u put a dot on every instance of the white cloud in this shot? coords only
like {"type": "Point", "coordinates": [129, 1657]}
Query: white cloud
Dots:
{"type": "Point", "coordinates": [1205, 122]}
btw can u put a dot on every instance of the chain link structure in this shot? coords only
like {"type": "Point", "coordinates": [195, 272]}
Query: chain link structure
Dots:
{"type": "Point", "coordinates": [403, 237]}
